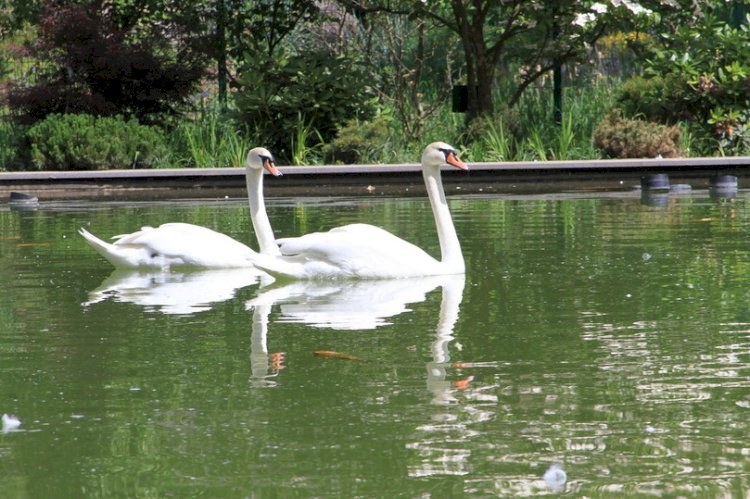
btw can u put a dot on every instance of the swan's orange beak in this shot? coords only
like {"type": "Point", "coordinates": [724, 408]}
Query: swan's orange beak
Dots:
{"type": "Point", "coordinates": [271, 168]}
{"type": "Point", "coordinates": [452, 159]}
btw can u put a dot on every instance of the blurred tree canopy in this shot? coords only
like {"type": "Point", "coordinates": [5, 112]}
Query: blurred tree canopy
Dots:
{"type": "Point", "coordinates": [109, 58]}
{"type": "Point", "coordinates": [145, 58]}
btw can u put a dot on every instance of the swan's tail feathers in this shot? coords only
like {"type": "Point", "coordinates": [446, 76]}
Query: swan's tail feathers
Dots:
{"type": "Point", "coordinates": [94, 241]}
{"type": "Point", "coordinates": [105, 249]}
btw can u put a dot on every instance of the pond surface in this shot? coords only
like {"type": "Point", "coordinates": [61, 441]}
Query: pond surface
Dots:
{"type": "Point", "coordinates": [598, 345]}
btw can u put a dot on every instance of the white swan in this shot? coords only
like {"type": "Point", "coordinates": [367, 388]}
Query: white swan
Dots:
{"type": "Point", "coordinates": [192, 245]}
{"type": "Point", "coordinates": [366, 251]}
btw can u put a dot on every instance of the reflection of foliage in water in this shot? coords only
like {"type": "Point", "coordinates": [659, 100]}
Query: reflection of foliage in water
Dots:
{"type": "Point", "coordinates": [613, 336]}
{"type": "Point", "coordinates": [653, 293]}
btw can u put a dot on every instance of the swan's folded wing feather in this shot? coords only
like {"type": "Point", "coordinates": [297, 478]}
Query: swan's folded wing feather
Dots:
{"type": "Point", "coordinates": [188, 244]}
{"type": "Point", "coordinates": [359, 249]}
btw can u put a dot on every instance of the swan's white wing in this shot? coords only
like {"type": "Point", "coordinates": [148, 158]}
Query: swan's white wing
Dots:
{"type": "Point", "coordinates": [173, 244]}
{"type": "Point", "coordinates": [359, 250]}
{"type": "Point", "coordinates": [177, 238]}
{"type": "Point", "coordinates": [189, 244]}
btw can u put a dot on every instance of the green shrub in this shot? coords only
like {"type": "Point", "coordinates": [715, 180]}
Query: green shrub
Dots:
{"type": "Point", "coordinates": [85, 142]}
{"type": "Point", "coordinates": [358, 142]}
{"type": "Point", "coordinates": [653, 98]}
{"type": "Point", "coordinates": [731, 130]}
{"type": "Point", "coordinates": [315, 89]}
{"type": "Point", "coordinates": [11, 145]}
{"type": "Point", "coordinates": [699, 74]}
{"type": "Point", "coordinates": [621, 138]}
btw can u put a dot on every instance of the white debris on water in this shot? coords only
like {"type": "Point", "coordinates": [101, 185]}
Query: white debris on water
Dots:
{"type": "Point", "coordinates": [555, 477]}
{"type": "Point", "coordinates": [10, 423]}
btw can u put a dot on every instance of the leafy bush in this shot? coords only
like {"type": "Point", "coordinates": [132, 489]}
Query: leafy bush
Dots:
{"type": "Point", "coordinates": [731, 129]}
{"type": "Point", "coordinates": [622, 138]}
{"type": "Point", "coordinates": [85, 142]}
{"type": "Point", "coordinates": [652, 98]}
{"type": "Point", "coordinates": [95, 59]}
{"type": "Point", "coordinates": [701, 75]}
{"type": "Point", "coordinates": [328, 91]}
{"type": "Point", "coordinates": [358, 142]}
{"type": "Point", "coordinates": [11, 145]}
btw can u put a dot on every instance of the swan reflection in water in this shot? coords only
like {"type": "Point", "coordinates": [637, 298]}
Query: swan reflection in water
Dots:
{"type": "Point", "coordinates": [369, 304]}
{"type": "Point", "coordinates": [442, 389]}
{"type": "Point", "coordinates": [346, 304]}
{"type": "Point", "coordinates": [173, 293]}
{"type": "Point", "coordinates": [341, 305]}
{"type": "Point", "coordinates": [441, 438]}
{"type": "Point", "coordinates": [263, 365]}
{"type": "Point", "coordinates": [187, 293]}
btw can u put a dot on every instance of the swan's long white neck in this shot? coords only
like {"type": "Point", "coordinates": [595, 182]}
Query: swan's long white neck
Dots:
{"type": "Point", "coordinates": [450, 248]}
{"type": "Point", "coordinates": [258, 215]}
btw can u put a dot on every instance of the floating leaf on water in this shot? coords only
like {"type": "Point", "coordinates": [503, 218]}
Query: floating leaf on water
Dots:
{"type": "Point", "coordinates": [462, 384]}
{"type": "Point", "coordinates": [475, 364]}
{"type": "Point", "coordinates": [336, 355]}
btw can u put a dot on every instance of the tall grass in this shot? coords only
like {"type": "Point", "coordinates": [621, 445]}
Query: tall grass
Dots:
{"type": "Point", "coordinates": [498, 142]}
{"type": "Point", "coordinates": [534, 147]}
{"type": "Point", "coordinates": [210, 141]}
{"type": "Point", "coordinates": [527, 132]}
{"type": "Point", "coordinates": [583, 108]}
{"type": "Point", "coordinates": [566, 137]}
{"type": "Point", "coordinates": [305, 151]}
{"type": "Point", "coordinates": [556, 142]}
{"type": "Point", "coordinates": [689, 143]}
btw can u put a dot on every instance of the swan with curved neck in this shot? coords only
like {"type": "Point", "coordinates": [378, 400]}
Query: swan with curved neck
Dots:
{"type": "Point", "coordinates": [192, 245]}
{"type": "Point", "coordinates": [366, 251]}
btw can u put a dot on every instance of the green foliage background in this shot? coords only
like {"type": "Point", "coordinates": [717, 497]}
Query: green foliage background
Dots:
{"type": "Point", "coordinates": [308, 79]}
{"type": "Point", "coordinates": [85, 142]}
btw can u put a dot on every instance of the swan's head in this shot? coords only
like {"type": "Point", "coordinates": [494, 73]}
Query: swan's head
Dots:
{"type": "Point", "coordinates": [440, 153]}
{"type": "Point", "coordinates": [260, 157]}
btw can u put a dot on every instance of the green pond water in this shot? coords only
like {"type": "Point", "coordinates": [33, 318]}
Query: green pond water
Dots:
{"type": "Point", "coordinates": [598, 345]}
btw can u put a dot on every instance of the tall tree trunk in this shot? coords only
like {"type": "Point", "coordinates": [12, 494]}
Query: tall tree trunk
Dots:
{"type": "Point", "coordinates": [480, 75]}
{"type": "Point", "coordinates": [485, 80]}
{"type": "Point", "coordinates": [480, 63]}
{"type": "Point", "coordinates": [221, 56]}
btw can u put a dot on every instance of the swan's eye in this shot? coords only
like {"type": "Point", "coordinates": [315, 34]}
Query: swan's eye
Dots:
{"type": "Point", "coordinates": [447, 153]}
